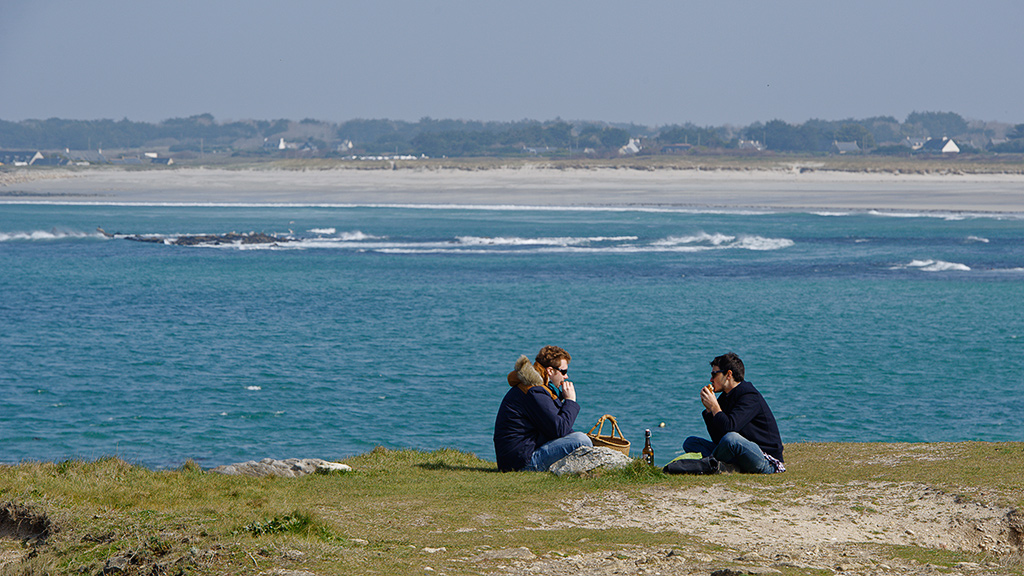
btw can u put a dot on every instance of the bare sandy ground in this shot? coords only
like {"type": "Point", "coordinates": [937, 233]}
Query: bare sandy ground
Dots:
{"type": "Point", "coordinates": [753, 528]}
{"type": "Point", "coordinates": [789, 528]}
{"type": "Point", "coordinates": [770, 189]}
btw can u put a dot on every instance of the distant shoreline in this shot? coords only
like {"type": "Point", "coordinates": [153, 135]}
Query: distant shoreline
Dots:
{"type": "Point", "coordinates": [792, 186]}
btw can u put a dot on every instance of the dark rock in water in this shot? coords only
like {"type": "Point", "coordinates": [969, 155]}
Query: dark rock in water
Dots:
{"type": "Point", "coordinates": [204, 239]}
{"type": "Point", "coordinates": [230, 238]}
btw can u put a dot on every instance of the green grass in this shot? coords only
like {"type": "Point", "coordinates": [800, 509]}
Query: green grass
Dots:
{"type": "Point", "coordinates": [380, 518]}
{"type": "Point", "coordinates": [960, 164]}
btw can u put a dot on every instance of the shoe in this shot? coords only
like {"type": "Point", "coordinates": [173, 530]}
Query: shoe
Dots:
{"type": "Point", "coordinates": [728, 468]}
{"type": "Point", "coordinates": [701, 467]}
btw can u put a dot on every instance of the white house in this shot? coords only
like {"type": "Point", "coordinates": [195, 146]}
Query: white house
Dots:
{"type": "Point", "coordinates": [845, 147]}
{"type": "Point", "coordinates": [943, 145]}
{"type": "Point", "coordinates": [633, 147]}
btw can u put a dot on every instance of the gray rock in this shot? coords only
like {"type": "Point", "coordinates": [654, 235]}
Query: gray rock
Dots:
{"type": "Point", "coordinates": [521, 553]}
{"type": "Point", "coordinates": [586, 458]}
{"type": "Point", "coordinates": [116, 565]}
{"type": "Point", "coordinates": [745, 571]}
{"type": "Point", "coordinates": [290, 468]}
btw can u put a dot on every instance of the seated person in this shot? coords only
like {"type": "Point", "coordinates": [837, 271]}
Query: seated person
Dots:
{"type": "Point", "coordinates": [742, 428]}
{"type": "Point", "coordinates": [533, 429]}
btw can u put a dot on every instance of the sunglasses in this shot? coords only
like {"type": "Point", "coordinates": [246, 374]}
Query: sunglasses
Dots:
{"type": "Point", "coordinates": [713, 372]}
{"type": "Point", "coordinates": [564, 371]}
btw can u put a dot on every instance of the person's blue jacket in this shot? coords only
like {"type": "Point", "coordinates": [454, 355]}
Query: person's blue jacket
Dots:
{"type": "Point", "coordinates": [529, 418]}
{"type": "Point", "coordinates": [746, 412]}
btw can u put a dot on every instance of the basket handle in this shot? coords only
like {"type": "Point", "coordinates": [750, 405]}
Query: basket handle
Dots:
{"type": "Point", "coordinates": [600, 425]}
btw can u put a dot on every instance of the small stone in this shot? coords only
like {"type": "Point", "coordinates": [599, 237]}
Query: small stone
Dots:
{"type": "Point", "coordinates": [521, 553]}
{"type": "Point", "coordinates": [115, 565]}
{"type": "Point", "coordinates": [435, 550]}
{"type": "Point", "coordinates": [328, 467]}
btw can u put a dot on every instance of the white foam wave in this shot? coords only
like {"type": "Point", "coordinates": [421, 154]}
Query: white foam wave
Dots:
{"type": "Point", "coordinates": [45, 235]}
{"type": "Point", "coordinates": [357, 236]}
{"type": "Point", "coordinates": [977, 239]}
{"type": "Point", "coordinates": [332, 234]}
{"type": "Point", "coordinates": [938, 266]}
{"type": "Point", "coordinates": [719, 241]}
{"type": "Point", "coordinates": [556, 241]}
{"type": "Point", "coordinates": [948, 216]}
{"type": "Point", "coordinates": [253, 388]}
{"type": "Point", "coordinates": [701, 238]}
{"type": "Point", "coordinates": [493, 245]}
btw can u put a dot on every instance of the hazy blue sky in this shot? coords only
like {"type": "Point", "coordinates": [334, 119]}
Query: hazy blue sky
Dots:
{"type": "Point", "coordinates": [653, 63]}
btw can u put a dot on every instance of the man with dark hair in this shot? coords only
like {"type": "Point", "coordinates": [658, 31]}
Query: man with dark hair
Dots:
{"type": "Point", "coordinates": [533, 429]}
{"type": "Point", "coordinates": [742, 427]}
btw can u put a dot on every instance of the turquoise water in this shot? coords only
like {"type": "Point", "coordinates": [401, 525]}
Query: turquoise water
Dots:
{"type": "Point", "coordinates": [395, 326]}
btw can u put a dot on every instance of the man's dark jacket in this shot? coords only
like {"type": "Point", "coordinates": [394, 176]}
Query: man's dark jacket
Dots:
{"type": "Point", "coordinates": [745, 411]}
{"type": "Point", "coordinates": [528, 420]}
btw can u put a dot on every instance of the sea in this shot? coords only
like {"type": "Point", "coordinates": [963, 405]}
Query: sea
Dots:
{"type": "Point", "coordinates": [395, 326]}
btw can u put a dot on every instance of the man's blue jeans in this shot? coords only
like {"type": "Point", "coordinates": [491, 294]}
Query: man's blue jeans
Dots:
{"type": "Point", "coordinates": [555, 450]}
{"type": "Point", "coordinates": [732, 449]}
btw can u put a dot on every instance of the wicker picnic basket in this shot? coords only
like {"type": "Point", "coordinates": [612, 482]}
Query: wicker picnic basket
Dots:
{"type": "Point", "coordinates": [611, 440]}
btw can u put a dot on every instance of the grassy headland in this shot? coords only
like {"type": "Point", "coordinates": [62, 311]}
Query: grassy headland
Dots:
{"type": "Point", "coordinates": [966, 164]}
{"type": "Point", "coordinates": [859, 508]}
{"type": "Point", "coordinates": [936, 165]}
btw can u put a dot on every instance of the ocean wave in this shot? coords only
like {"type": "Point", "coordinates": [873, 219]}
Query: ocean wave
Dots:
{"type": "Point", "coordinates": [358, 241]}
{"type": "Point", "coordinates": [45, 235]}
{"type": "Point", "coordinates": [833, 214]}
{"type": "Point", "coordinates": [556, 241]}
{"type": "Point", "coordinates": [977, 239]}
{"type": "Point", "coordinates": [353, 236]}
{"type": "Point", "coordinates": [937, 266]}
{"type": "Point", "coordinates": [718, 241]}
{"type": "Point", "coordinates": [948, 216]}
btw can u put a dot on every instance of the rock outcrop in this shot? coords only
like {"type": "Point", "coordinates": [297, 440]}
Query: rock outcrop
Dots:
{"type": "Point", "coordinates": [290, 468]}
{"type": "Point", "coordinates": [586, 458]}
{"type": "Point", "coordinates": [203, 239]}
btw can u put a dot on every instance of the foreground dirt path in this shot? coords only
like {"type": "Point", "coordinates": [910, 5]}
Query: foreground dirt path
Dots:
{"type": "Point", "coordinates": [756, 529]}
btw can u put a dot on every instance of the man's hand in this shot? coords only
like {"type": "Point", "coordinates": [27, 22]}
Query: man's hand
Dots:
{"type": "Point", "coordinates": [708, 399]}
{"type": "Point", "coordinates": [568, 390]}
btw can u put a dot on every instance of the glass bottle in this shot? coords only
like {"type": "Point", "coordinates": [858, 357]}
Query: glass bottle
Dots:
{"type": "Point", "coordinates": [648, 453]}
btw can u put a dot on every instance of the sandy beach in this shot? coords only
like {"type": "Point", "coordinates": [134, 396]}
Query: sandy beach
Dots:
{"type": "Point", "coordinates": [781, 189]}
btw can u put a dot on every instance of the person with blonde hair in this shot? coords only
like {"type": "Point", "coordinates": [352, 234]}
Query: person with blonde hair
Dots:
{"type": "Point", "coordinates": [533, 428]}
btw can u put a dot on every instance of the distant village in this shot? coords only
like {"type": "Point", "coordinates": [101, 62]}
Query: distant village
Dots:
{"type": "Point", "coordinates": [635, 146]}
{"type": "Point", "coordinates": [35, 143]}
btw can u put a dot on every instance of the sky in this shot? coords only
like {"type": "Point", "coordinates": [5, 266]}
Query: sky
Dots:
{"type": "Point", "coordinates": [653, 63]}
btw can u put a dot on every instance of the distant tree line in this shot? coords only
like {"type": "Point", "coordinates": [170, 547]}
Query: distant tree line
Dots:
{"type": "Point", "coordinates": [454, 138]}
